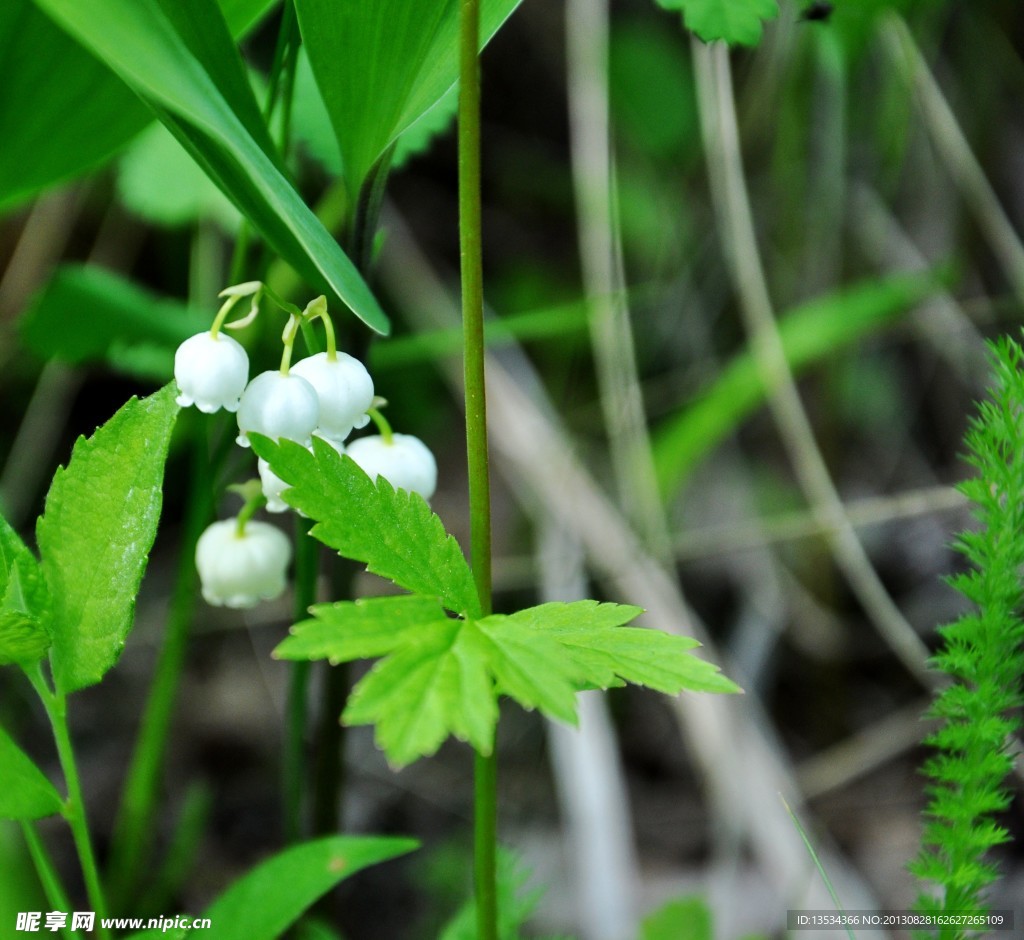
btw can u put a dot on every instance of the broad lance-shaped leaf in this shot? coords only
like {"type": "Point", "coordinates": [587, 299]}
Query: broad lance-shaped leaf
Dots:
{"type": "Point", "coordinates": [381, 66]}
{"type": "Point", "coordinates": [442, 677]}
{"type": "Point", "coordinates": [26, 793]}
{"type": "Point", "coordinates": [178, 56]}
{"type": "Point", "coordinates": [735, 21]}
{"type": "Point", "coordinates": [96, 532]}
{"type": "Point", "coordinates": [55, 130]}
{"type": "Point", "coordinates": [263, 904]}
{"type": "Point", "coordinates": [24, 602]}
{"type": "Point", "coordinates": [393, 533]}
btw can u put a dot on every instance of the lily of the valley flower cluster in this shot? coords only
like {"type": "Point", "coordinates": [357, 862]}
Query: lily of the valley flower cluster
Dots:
{"type": "Point", "coordinates": [329, 394]}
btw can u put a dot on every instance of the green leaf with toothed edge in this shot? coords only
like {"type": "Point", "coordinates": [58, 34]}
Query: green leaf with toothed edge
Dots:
{"type": "Point", "coordinates": [393, 533]}
{"type": "Point", "coordinates": [24, 602]}
{"type": "Point", "coordinates": [95, 535]}
{"type": "Point", "coordinates": [434, 685]}
{"type": "Point", "coordinates": [602, 652]}
{"type": "Point", "coordinates": [362, 629]}
{"type": "Point", "coordinates": [737, 22]}
{"type": "Point", "coordinates": [442, 676]}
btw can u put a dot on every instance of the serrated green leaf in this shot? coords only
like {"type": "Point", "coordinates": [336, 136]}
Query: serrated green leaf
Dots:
{"type": "Point", "coordinates": [86, 315]}
{"type": "Point", "coordinates": [393, 533]}
{"type": "Point", "coordinates": [179, 57]}
{"type": "Point", "coordinates": [603, 653]}
{"type": "Point", "coordinates": [26, 793]}
{"type": "Point", "coordinates": [96, 532]}
{"type": "Point", "coordinates": [734, 21]}
{"type": "Point", "coordinates": [55, 130]}
{"type": "Point", "coordinates": [435, 685]}
{"type": "Point", "coordinates": [263, 904]}
{"type": "Point", "coordinates": [24, 602]}
{"type": "Point", "coordinates": [363, 629]}
{"type": "Point", "coordinates": [531, 668]}
{"type": "Point", "coordinates": [443, 677]}
{"type": "Point", "coordinates": [381, 66]}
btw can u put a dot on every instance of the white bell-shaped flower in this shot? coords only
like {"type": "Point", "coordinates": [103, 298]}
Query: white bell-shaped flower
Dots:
{"type": "Point", "coordinates": [405, 462]}
{"type": "Point", "coordinates": [274, 486]}
{"type": "Point", "coordinates": [278, 406]}
{"type": "Point", "coordinates": [345, 389]}
{"type": "Point", "coordinates": [242, 570]}
{"type": "Point", "coordinates": [211, 372]}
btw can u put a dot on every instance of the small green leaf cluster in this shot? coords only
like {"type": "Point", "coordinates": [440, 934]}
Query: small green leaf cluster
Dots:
{"type": "Point", "coordinates": [982, 653]}
{"type": "Point", "coordinates": [442, 663]}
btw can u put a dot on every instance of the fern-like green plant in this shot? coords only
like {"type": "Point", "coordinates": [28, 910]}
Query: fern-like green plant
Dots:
{"type": "Point", "coordinates": [982, 654]}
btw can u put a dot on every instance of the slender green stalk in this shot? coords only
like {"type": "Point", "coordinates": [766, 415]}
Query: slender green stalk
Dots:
{"type": "Point", "coordinates": [329, 769]}
{"type": "Point", "coordinates": [307, 560]}
{"type": "Point", "coordinates": [74, 812]}
{"type": "Point", "coordinates": [471, 253]}
{"type": "Point", "coordinates": [134, 828]}
{"type": "Point", "coordinates": [48, 877]}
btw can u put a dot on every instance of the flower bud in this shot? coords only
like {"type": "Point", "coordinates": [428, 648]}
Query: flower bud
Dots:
{"type": "Point", "coordinates": [345, 390]}
{"type": "Point", "coordinates": [211, 372]}
{"type": "Point", "coordinates": [278, 406]}
{"type": "Point", "coordinates": [242, 570]}
{"type": "Point", "coordinates": [405, 462]}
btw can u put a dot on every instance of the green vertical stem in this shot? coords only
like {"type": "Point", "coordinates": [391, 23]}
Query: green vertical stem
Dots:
{"type": "Point", "coordinates": [307, 559]}
{"type": "Point", "coordinates": [76, 815]}
{"type": "Point", "coordinates": [329, 768]}
{"type": "Point", "coordinates": [74, 809]}
{"type": "Point", "coordinates": [471, 253]}
{"type": "Point", "coordinates": [48, 877]}
{"type": "Point", "coordinates": [134, 827]}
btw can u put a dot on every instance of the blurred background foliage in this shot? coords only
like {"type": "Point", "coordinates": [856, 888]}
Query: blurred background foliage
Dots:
{"type": "Point", "coordinates": [883, 165]}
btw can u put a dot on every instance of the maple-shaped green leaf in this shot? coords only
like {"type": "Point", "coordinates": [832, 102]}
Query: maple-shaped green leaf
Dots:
{"type": "Point", "coordinates": [362, 629]}
{"type": "Point", "coordinates": [605, 653]}
{"type": "Point", "coordinates": [24, 602]}
{"type": "Point", "coordinates": [96, 532]}
{"type": "Point", "coordinates": [442, 676]}
{"type": "Point", "coordinates": [734, 21]}
{"type": "Point", "coordinates": [435, 684]}
{"type": "Point", "coordinates": [392, 532]}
